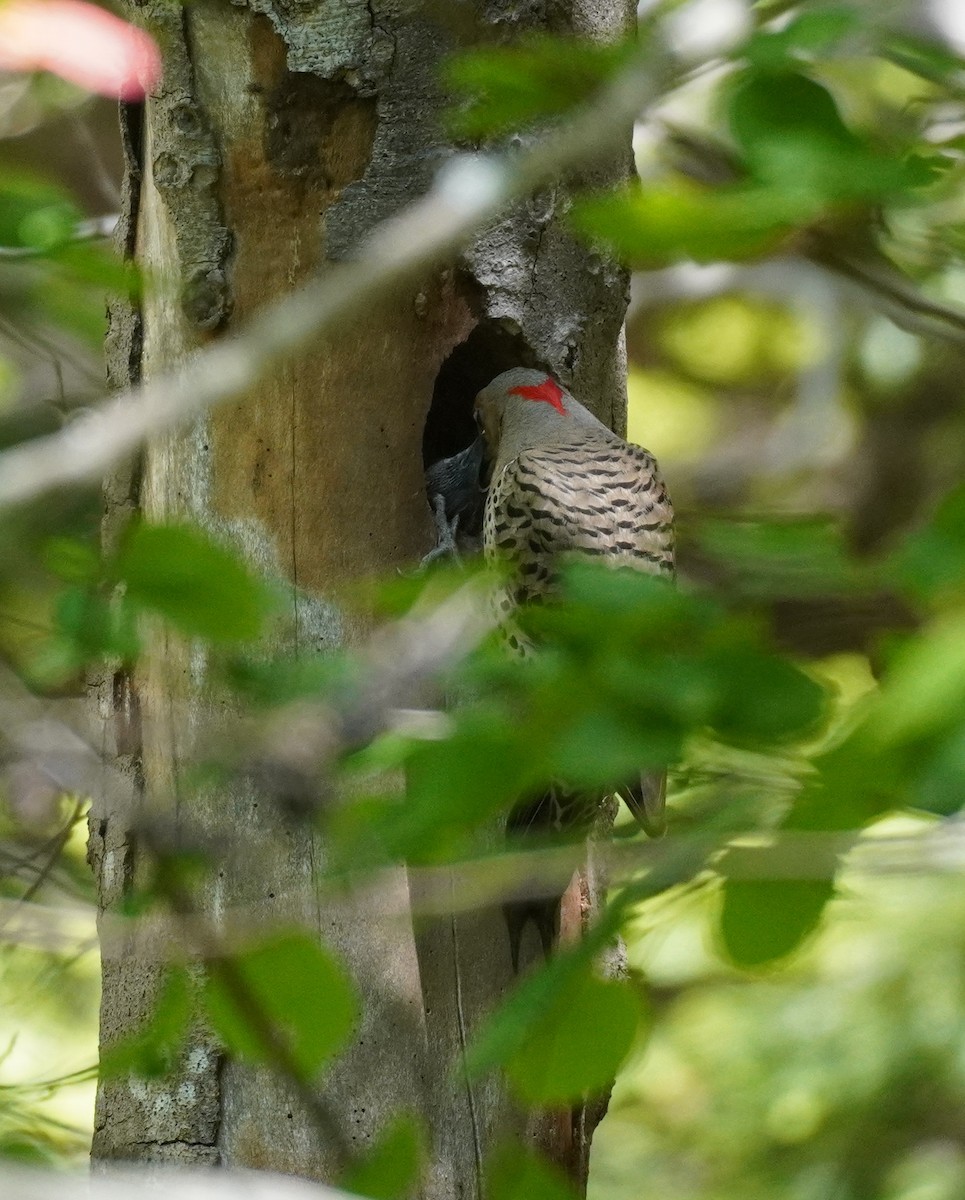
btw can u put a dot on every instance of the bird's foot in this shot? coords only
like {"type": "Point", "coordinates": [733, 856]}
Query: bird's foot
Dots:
{"type": "Point", "coordinates": [446, 530]}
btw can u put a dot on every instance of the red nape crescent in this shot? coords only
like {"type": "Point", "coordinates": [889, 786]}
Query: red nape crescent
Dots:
{"type": "Point", "coordinates": [549, 391]}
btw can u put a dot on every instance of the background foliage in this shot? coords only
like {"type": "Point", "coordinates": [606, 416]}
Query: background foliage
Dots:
{"type": "Point", "coordinates": [794, 1021]}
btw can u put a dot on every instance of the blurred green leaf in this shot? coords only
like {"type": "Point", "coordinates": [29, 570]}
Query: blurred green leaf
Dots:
{"type": "Point", "coordinates": [941, 777]}
{"type": "Point", "coordinates": [458, 782]}
{"type": "Point", "coordinates": [198, 585]}
{"type": "Point", "coordinates": [155, 1050]}
{"type": "Point", "coordinates": [391, 1169]}
{"type": "Point", "coordinates": [766, 698]}
{"type": "Point", "coordinates": [283, 680]}
{"type": "Point", "coordinates": [794, 140]}
{"type": "Point", "coordinates": [505, 88]}
{"type": "Point", "coordinates": [924, 688]}
{"type": "Point", "coordinates": [815, 31]}
{"type": "Point", "coordinates": [72, 559]}
{"type": "Point", "coordinates": [505, 1030]}
{"type": "Point", "coordinates": [575, 1044]}
{"type": "Point", "coordinates": [299, 988]}
{"type": "Point", "coordinates": [95, 264]}
{"type": "Point", "coordinates": [931, 561]}
{"type": "Point", "coordinates": [34, 213]}
{"type": "Point", "coordinates": [601, 747]}
{"type": "Point", "coordinates": [563, 1031]}
{"type": "Point", "coordinates": [855, 784]}
{"type": "Point", "coordinates": [516, 1173]}
{"type": "Point", "coordinates": [763, 920]}
{"type": "Point", "coordinates": [655, 224]}
{"type": "Point", "coordinates": [928, 58]}
{"type": "Point", "coordinates": [88, 627]}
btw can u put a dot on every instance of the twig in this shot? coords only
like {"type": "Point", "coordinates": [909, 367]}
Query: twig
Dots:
{"type": "Point", "coordinates": [59, 841]}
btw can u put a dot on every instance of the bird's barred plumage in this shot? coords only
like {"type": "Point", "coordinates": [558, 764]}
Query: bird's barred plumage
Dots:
{"type": "Point", "coordinates": [564, 484]}
{"type": "Point", "coordinates": [599, 497]}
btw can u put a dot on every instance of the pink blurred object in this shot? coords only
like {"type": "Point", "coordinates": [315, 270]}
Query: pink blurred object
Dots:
{"type": "Point", "coordinates": [79, 42]}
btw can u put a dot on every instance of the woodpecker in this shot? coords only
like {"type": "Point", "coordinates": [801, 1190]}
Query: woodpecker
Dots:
{"type": "Point", "coordinates": [562, 483]}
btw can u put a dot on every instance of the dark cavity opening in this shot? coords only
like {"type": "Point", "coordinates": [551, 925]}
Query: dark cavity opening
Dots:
{"type": "Point", "coordinates": [490, 349]}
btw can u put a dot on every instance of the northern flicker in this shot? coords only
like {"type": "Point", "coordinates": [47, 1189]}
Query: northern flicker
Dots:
{"type": "Point", "coordinates": [564, 484]}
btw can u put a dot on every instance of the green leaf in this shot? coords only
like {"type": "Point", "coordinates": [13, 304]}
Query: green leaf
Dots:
{"type": "Point", "coordinates": [460, 781]}
{"type": "Point", "coordinates": [767, 109]}
{"type": "Point", "coordinates": [601, 747]}
{"type": "Point", "coordinates": [34, 213]}
{"type": "Point", "coordinates": [924, 689]}
{"type": "Point", "coordinates": [88, 627]}
{"type": "Point", "coordinates": [795, 142]}
{"type": "Point", "coordinates": [855, 784]}
{"type": "Point", "coordinates": [941, 785]}
{"type": "Point", "coordinates": [154, 1051]}
{"type": "Point", "coordinates": [392, 1168]}
{"type": "Point", "coordinates": [516, 1173]}
{"type": "Point", "coordinates": [766, 697]}
{"type": "Point", "coordinates": [284, 680]}
{"type": "Point", "coordinates": [505, 88]}
{"type": "Point", "coordinates": [576, 1043]}
{"type": "Point", "coordinates": [928, 59]}
{"type": "Point", "coordinates": [932, 560]}
{"type": "Point", "coordinates": [816, 31]}
{"type": "Point", "coordinates": [72, 559]}
{"type": "Point", "coordinates": [763, 920]}
{"type": "Point", "coordinates": [295, 985]}
{"type": "Point", "coordinates": [663, 223]}
{"type": "Point", "coordinates": [504, 1030]}
{"type": "Point", "coordinates": [198, 585]}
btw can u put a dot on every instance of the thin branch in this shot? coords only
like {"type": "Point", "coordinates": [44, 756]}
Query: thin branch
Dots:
{"type": "Point", "coordinates": [60, 840]}
{"type": "Point", "coordinates": [470, 192]}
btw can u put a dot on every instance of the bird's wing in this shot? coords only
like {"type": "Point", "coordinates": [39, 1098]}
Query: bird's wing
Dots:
{"type": "Point", "coordinates": [602, 498]}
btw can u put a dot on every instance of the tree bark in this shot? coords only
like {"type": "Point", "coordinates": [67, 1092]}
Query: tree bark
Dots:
{"type": "Point", "coordinates": [281, 134]}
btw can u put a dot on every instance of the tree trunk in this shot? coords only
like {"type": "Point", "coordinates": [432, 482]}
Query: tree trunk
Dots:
{"type": "Point", "coordinates": [280, 135]}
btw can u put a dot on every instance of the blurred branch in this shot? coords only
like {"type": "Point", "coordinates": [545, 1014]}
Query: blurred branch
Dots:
{"type": "Point", "coordinates": [492, 880]}
{"type": "Point", "coordinates": [163, 1183]}
{"type": "Point", "coordinates": [300, 746]}
{"type": "Point", "coordinates": [49, 927]}
{"type": "Point", "coordinates": [54, 848]}
{"type": "Point", "coordinates": [850, 254]}
{"type": "Point", "coordinates": [54, 738]}
{"type": "Point", "coordinates": [469, 193]}
{"type": "Point", "coordinates": [891, 290]}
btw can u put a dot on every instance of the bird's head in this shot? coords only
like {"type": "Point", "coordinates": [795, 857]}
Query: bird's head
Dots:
{"type": "Point", "coordinates": [524, 406]}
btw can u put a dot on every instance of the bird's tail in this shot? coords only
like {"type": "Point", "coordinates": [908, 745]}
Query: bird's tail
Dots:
{"type": "Point", "coordinates": [647, 800]}
{"type": "Point", "coordinates": [544, 912]}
